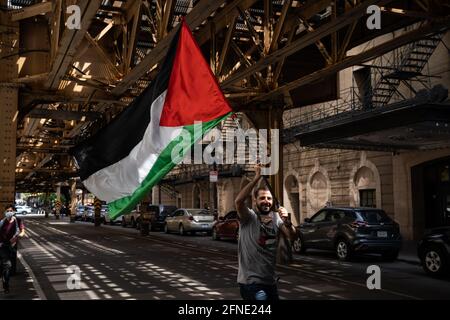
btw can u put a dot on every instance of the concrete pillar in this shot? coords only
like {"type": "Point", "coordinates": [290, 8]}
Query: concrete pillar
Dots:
{"type": "Point", "coordinates": [73, 201]}
{"type": "Point", "coordinates": [58, 202]}
{"type": "Point", "coordinates": [9, 38]}
{"type": "Point", "coordinates": [97, 212]}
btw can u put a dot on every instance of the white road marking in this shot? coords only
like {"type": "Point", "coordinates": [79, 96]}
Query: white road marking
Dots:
{"type": "Point", "coordinates": [35, 282]}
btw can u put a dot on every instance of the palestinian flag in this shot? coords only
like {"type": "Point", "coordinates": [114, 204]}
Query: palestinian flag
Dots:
{"type": "Point", "coordinates": [123, 161]}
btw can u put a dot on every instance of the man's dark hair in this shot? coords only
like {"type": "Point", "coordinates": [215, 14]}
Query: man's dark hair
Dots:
{"type": "Point", "coordinates": [255, 194]}
{"type": "Point", "coordinates": [10, 206]}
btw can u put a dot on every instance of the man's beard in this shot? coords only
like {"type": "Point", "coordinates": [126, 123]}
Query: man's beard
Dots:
{"type": "Point", "coordinates": [264, 209]}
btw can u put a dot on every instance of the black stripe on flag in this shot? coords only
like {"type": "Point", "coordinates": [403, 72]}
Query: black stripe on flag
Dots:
{"type": "Point", "coordinates": [115, 141]}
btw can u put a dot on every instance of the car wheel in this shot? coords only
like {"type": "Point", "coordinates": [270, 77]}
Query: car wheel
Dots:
{"type": "Point", "coordinates": [434, 262]}
{"type": "Point", "coordinates": [299, 246]}
{"type": "Point", "coordinates": [111, 222]}
{"type": "Point", "coordinates": [390, 255]}
{"type": "Point", "coordinates": [166, 228]}
{"type": "Point", "coordinates": [133, 223]}
{"type": "Point", "coordinates": [215, 236]}
{"type": "Point", "coordinates": [124, 223]}
{"type": "Point", "coordinates": [181, 230]}
{"type": "Point", "coordinates": [343, 250]}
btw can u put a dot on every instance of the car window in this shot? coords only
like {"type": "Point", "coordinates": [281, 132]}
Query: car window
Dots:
{"type": "Point", "coordinates": [199, 212]}
{"type": "Point", "coordinates": [179, 213]}
{"type": "Point", "coordinates": [335, 215]}
{"type": "Point", "coordinates": [350, 215]}
{"type": "Point", "coordinates": [231, 215]}
{"type": "Point", "coordinates": [374, 216]}
{"type": "Point", "coordinates": [319, 216]}
{"type": "Point", "coordinates": [153, 209]}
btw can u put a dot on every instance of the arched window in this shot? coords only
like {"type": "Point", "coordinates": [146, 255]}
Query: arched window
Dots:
{"type": "Point", "coordinates": [318, 191]}
{"type": "Point", "coordinates": [292, 204]}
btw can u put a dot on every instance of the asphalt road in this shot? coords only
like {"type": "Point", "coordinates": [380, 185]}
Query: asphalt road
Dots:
{"type": "Point", "coordinates": [117, 263]}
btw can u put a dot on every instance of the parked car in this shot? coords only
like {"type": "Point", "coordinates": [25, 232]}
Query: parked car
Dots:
{"type": "Point", "coordinates": [23, 209]}
{"type": "Point", "coordinates": [226, 227]}
{"type": "Point", "coordinates": [88, 213]}
{"type": "Point", "coordinates": [348, 231]}
{"type": "Point", "coordinates": [79, 212]}
{"type": "Point", "coordinates": [158, 215]}
{"type": "Point", "coordinates": [189, 220]}
{"type": "Point", "coordinates": [107, 219]}
{"type": "Point", "coordinates": [434, 252]}
{"type": "Point", "coordinates": [132, 219]}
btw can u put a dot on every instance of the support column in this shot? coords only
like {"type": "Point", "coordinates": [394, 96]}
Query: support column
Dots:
{"type": "Point", "coordinates": [97, 212]}
{"type": "Point", "coordinates": [9, 37]}
{"type": "Point", "coordinates": [58, 202]}
{"type": "Point", "coordinates": [144, 223]}
{"type": "Point", "coordinates": [73, 201]}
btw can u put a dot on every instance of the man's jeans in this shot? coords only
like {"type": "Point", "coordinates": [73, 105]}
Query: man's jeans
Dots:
{"type": "Point", "coordinates": [259, 292]}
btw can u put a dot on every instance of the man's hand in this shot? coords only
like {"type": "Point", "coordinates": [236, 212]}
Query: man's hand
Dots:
{"type": "Point", "coordinates": [258, 171]}
{"type": "Point", "coordinates": [283, 212]}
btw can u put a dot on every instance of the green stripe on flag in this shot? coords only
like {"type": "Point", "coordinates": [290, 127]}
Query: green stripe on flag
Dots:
{"type": "Point", "coordinates": [162, 166]}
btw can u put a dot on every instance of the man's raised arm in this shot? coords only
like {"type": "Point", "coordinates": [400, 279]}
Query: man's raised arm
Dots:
{"type": "Point", "coordinates": [242, 210]}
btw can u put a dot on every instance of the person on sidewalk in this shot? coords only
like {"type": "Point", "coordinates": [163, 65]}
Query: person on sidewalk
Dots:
{"type": "Point", "coordinates": [9, 233]}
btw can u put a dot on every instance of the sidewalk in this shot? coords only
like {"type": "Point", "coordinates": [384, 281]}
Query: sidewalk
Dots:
{"type": "Point", "coordinates": [409, 252]}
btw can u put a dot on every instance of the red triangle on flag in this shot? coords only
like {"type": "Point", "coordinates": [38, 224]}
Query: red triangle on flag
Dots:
{"type": "Point", "coordinates": [193, 93]}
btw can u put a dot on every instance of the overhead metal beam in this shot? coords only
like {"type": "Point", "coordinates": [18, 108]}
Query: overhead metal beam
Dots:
{"type": "Point", "coordinates": [222, 19]}
{"type": "Point", "coordinates": [199, 13]}
{"type": "Point", "coordinates": [411, 36]}
{"type": "Point", "coordinates": [63, 115]}
{"type": "Point", "coordinates": [279, 25]}
{"type": "Point", "coordinates": [226, 45]}
{"type": "Point", "coordinates": [305, 41]}
{"type": "Point", "coordinates": [69, 43]}
{"type": "Point", "coordinates": [31, 11]}
{"type": "Point", "coordinates": [103, 55]}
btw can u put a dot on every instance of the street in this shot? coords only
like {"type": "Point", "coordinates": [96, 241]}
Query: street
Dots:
{"type": "Point", "coordinates": [117, 263]}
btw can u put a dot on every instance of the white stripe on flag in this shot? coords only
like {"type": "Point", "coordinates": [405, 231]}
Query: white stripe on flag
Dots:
{"type": "Point", "coordinates": [121, 179]}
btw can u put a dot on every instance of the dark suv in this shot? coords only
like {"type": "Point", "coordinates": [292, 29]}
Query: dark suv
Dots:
{"type": "Point", "coordinates": [158, 214]}
{"type": "Point", "coordinates": [350, 230]}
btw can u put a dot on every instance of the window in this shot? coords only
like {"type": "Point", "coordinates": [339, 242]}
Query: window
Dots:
{"type": "Point", "coordinates": [335, 215]}
{"type": "Point", "coordinates": [319, 217]}
{"type": "Point", "coordinates": [375, 216]}
{"type": "Point", "coordinates": [367, 198]}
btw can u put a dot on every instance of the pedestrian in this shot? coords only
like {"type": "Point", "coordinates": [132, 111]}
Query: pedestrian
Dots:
{"type": "Point", "coordinates": [9, 232]}
{"type": "Point", "coordinates": [258, 241]}
{"type": "Point", "coordinates": [15, 247]}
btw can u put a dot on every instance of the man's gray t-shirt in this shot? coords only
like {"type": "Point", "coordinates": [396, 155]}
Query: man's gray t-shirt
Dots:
{"type": "Point", "coordinates": [257, 247]}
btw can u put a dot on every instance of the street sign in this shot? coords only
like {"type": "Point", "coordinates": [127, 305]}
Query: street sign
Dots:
{"type": "Point", "coordinates": [213, 175]}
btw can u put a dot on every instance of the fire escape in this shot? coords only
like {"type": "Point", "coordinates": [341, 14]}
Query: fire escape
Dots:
{"type": "Point", "coordinates": [377, 88]}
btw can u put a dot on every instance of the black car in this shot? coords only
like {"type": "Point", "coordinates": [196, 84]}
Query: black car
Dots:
{"type": "Point", "coordinates": [158, 215]}
{"type": "Point", "coordinates": [348, 231]}
{"type": "Point", "coordinates": [434, 252]}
